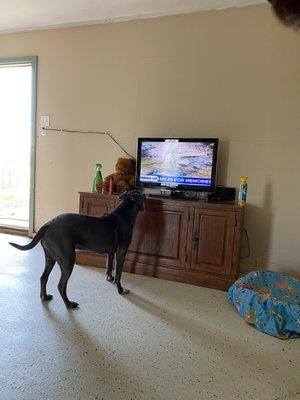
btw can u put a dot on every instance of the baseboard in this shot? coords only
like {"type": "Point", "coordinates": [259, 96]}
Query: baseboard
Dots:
{"type": "Point", "coordinates": [9, 230]}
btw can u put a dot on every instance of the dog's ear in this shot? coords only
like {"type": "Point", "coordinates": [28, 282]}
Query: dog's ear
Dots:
{"type": "Point", "coordinates": [122, 196]}
{"type": "Point", "coordinates": [142, 195]}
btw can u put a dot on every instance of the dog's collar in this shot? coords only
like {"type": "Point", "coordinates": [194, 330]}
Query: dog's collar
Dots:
{"type": "Point", "coordinates": [132, 197]}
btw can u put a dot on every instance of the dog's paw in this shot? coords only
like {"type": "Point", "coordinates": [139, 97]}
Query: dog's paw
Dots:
{"type": "Point", "coordinates": [72, 304]}
{"type": "Point", "coordinates": [123, 291]}
{"type": "Point", "coordinates": [46, 297]}
{"type": "Point", "coordinates": [110, 278]}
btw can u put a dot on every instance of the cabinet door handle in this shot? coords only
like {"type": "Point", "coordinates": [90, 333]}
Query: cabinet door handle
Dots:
{"type": "Point", "coordinates": [195, 240]}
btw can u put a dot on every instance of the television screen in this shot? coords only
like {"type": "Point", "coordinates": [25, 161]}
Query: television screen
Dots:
{"type": "Point", "coordinates": [177, 163]}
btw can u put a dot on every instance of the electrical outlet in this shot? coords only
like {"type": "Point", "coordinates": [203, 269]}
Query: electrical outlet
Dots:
{"type": "Point", "coordinates": [45, 123]}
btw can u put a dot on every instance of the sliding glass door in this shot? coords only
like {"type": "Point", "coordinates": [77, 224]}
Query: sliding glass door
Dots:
{"type": "Point", "coordinates": [17, 142]}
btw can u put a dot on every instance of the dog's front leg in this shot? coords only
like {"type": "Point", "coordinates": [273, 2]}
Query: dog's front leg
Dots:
{"type": "Point", "coordinates": [119, 266]}
{"type": "Point", "coordinates": [109, 267]}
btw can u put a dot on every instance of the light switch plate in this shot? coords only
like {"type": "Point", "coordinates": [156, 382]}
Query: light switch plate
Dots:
{"type": "Point", "coordinates": [45, 123]}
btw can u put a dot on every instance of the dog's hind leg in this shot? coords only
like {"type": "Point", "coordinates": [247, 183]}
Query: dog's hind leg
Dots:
{"type": "Point", "coordinates": [120, 257]}
{"type": "Point", "coordinates": [109, 267]}
{"type": "Point", "coordinates": [49, 264]}
{"type": "Point", "coordinates": [66, 267]}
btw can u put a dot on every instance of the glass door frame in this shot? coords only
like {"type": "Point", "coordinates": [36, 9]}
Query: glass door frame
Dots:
{"type": "Point", "coordinates": [30, 60]}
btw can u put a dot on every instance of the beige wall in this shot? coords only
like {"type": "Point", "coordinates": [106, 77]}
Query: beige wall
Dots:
{"type": "Point", "coordinates": [234, 74]}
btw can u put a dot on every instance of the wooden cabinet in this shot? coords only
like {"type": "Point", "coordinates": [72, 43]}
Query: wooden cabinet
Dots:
{"type": "Point", "coordinates": [184, 240]}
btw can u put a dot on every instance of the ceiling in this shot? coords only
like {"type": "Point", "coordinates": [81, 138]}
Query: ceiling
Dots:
{"type": "Point", "coordinates": [19, 15]}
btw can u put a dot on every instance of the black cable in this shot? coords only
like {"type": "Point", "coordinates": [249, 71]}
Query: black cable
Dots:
{"type": "Point", "coordinates": [91, 132]}
{"type": "Point", "coordinates": [248, 243]}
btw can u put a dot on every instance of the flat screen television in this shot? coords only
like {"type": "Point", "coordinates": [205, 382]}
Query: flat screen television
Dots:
{"type": "Point", "coordinates": [177, 163]}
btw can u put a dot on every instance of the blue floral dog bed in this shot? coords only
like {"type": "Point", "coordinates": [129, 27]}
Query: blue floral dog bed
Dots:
{"type": "Point", "coordinates": [270, 301]}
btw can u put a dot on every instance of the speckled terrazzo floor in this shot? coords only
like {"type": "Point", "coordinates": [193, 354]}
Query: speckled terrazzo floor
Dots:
{"type": "Point", "coordinates": [163, 341]}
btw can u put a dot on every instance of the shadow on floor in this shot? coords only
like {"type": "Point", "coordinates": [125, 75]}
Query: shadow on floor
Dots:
{"type": "Point", "coordinates": [99, 365]}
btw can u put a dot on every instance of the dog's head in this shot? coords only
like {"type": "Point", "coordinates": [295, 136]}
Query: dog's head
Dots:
{"type": "Point", "coordinates": [135, 196]}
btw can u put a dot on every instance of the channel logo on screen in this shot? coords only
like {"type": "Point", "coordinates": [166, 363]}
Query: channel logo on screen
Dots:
{"type": "Point", "coordinates": [149, 178]}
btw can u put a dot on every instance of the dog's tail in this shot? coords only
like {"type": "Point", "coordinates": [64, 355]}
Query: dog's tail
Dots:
{"type": "Point", "coordinates": [41, 232]}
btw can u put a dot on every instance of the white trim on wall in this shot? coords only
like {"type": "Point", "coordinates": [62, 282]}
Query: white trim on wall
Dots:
{"type": "Point", "coordinates": [215, 5]}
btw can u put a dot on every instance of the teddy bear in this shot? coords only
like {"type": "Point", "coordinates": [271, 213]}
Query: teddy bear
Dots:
{"type": "Point", "coordinates": [123, 177]}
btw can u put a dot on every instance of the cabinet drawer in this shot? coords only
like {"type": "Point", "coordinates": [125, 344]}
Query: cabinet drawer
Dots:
{"type": "Point", "coordinates": [96, 207]}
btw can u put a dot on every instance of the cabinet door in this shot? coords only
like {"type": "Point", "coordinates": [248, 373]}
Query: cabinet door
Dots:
{"type": "Point", "coordinates": [213, 241]}
{"type": "Point", "coordinates": [160, 235]}
{"type": "Point", "coordinates": [95, 206]}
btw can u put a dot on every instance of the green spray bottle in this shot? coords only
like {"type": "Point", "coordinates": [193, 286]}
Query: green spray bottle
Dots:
{"type": "Point", "coordinates": [97, 178]}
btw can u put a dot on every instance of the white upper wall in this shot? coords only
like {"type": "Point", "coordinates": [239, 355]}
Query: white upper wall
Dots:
{"type": "Point", "coordinates": [19, 15]}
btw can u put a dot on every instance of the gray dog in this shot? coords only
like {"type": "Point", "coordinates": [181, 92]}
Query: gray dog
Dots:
{"type": "Point", "coordinates": [110, 234]}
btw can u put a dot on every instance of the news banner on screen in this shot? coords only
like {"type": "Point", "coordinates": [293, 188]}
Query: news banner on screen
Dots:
{"type": "Point", "coordinates": [174, 163]}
